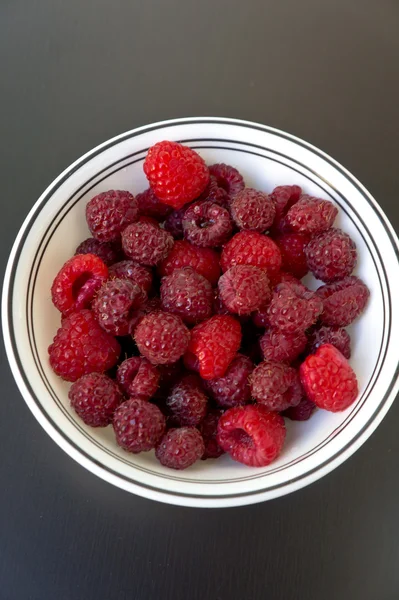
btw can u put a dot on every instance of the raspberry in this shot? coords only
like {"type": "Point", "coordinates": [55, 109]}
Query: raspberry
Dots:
{"type": "Point", "coordinates": [244, 288]}
{"type": "Point", "coordinates": [292, 247]}
{"type": "Point", "coordinates": [253, 210]}
{"type": "Point", "coordinates": [276, 385]}
{"type": "Point", "coordinates": [293, 308]}
{"type": "Point", "coordinates": [208, 428]}
{"type": "Point", "coordinates": [138, 425]}
{"type": "Point", "coordinates": [344, 301]}
{"type": "Point", "coordinates": [138, 378]}
{"type": "Point", "coordinates": [95, 398]}
{"type": "Point", "coordinates": [331, 255]}
{"type": "Point", "coordinates": [311, 215]}
{"type": "Point", "coordinates": [215, 343]}
{"type": "Point", "coordinates": [80, 346]}
{"type": "Point", "coordinates": [115, 303]}
{"type": "Point", "coordinates": [251, 434]}
{"type": "Point", "coordinates": [77, 282]}
{"type": "Point", "coordinates": [191, 362]}
{"type": "Point", "coordinates": [233, 388]}
{"type": "Point", "coordinates": [283, 197]}
{"type": "Point", "coordinates": [174, 223]}
{"type": "Point", "coordinates": [169, 375]}
{"type": "Point", "coordinates": [176, 173]}
{"type": "Point", "coordinates": [183, 254]}
{"type": "Point", "coordinates": [161, 337]}
{"type": "Point", "coordinates": [228, 178]}
{"type": "Point", "coordinates": [128, 269]}
{"type": "Point", "coordinates": [109, 213]}
{"type": "Point", "coordinates": [218, 306]}
{"type": "Point", "coordinates": [187, 401]}
{"type": "Point", "coordinates": [328, 379]}
{"type": "Point", "coordinates": [146, 243]}
{"type": "Point", "coordinates": [180, 448]}
{"type": "Point", "coordinates": [188, 294]}
{"type": "Point", "coordinates": [301, 412]}
{"type": "Point", "coordinates": [336, 336]}
{"type": "Point", "coordinates": [215, 193]}
{"type": "Point", "coordinates": [207, 224]}
{"type": "Point", "coordinates": [150, 206]}
{"type": "Point", "coordinates": [278, 346]}
{"type": "Point", "coordinates": [251, 248]}
{"type": "Point", "coordinates": [108, 253]}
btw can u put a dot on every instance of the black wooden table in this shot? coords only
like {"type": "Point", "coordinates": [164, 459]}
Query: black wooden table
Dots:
{"type": "Point", "coordinates": [76, 72]}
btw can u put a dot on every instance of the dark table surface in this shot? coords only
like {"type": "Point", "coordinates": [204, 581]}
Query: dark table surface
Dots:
{"type": "Point", "coordinates": [76, 72]}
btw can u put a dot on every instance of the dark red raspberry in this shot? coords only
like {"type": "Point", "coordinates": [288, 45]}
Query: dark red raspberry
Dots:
{"type": "Point", "coordinates": [176, 173]}
{"type": "Point", "coordinates": [208, 428]}
{"type": "Point", "coordinates": [77, 282]}
{"type": "Point", "coordinates": [336, 336]}
{"type": "Point", "coordinates": [251, 434]}
{"type": "Point", "coordinates": [188, 294]}
{"type": "Point", "coordinates": [244, 288]}
{"type": "Point", "coordinates": [215, 193]}
{"type": "Point", "coordinates": [128, 269]}
{"type": "Point", "coordinates": [228, 178]}
{"type": "Point", "coordinates": [284, 277]}
{"type": "Point", "coordinates": [276, 385]}
{"type": "Point", "coordinates": [150, 206]}
{"type": "Point", "coordinates": [115, 303]}
{"type": "Point", "coordinates": [278, 346]}
{"type": "Point", "coordinates": [138, 425]}
{"type": "Point", "coordinates": [207, 224]}
{"type": "Point", "coordinates": [80, 346]}
{"type": "Point", "coordinates": [174, 223]}
{"type": "Point", "coordinates": [233, 388]}
{"type": "Point", "coordinates": [292, 247]}
{"type": "Point", "coordinates": [152, 305]}
{"type": "Point", "coordinates": [187, 401]}
{"type": "Point", "coordinates": [169, 376]}
{"type": "Point", "coordinates": [95, 397]}
{"type": "Point", "coordinates": [108, 252]}
{"type": "Point", "coordinates": [191, 362]}
{"type": "Point", "coordinates": [301, 412]}
{"type": "Point", "coordinates": [293, 308]}
{"type": "Point", "coordinates": [331, 255]}
{"type": "Point", "coordinates": [146, 243]}
{"type": "Point", "coordinates": [161, 337]}
{"type": "Point", "coordinates": [109, 213]}
{"type": "Point", "coordinates": [218, 306]}
{"type": "Point", "coordinates": [253, 210]}
{"type": "Point", "coordinates": [180, 448]}
{"type": "Point", "coordinates": [215, 343]}
{"type": "Point", "coordinates": [260, 317]}
{"type": "Point", "coordinates": [328, 379]}
{"type": "Point", "coordinates": [138, 378]}
{"type": "Point", "coordinates": [183, 254]}
{"type": "Point", "coordinates": [343, 301]}
{"type": "Point", "coordinates": [283, 197]}
{"type": "Point", "coordinates": [251, 248]}
{"type": "Point", "coordinates": [311, 215]}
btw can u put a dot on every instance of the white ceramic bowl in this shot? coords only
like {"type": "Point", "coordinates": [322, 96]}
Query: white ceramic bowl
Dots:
{"type": "Point", "coordinates": [266, 157]}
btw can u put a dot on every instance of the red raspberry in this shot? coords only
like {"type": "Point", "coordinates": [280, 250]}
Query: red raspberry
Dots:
{"type": "Point", "coordinates": [207, 224]}
{"type": "Point", "coordinates": [174, 223]}
{"type": "Point", "coordinates": [251, 248]}
{"type": "Point", "coordinates": [108, 253]}
{"type": "Point", "coordinates": [331, 255]}
{"type": "Point", "coordinates": [276, 385]}
{"type": "Point", "coordinates": [301, 412]}
{"type": "Point", "coordinates": [328, 379]}
{"type": "Point", "coordinates": [187, 401]}
{"type": "Point", "coordinates": [180, 448]}
{"type": "Point", "coordinates": [128, 269]}
{"type": "Point", "coordinates": [343, 302]}
{"type": "Point", "coordinates": [215, 193]}
{"type": "Point", "coordinates": [183, 254]}
{"type": "Point", "coordinates": [161, 337]}
{"type": "Point", "coordinates": [228, 178]}
{"type": "Point", "coordinates": [278, 346]}
{"type": "Point", "coordinates": [176, 173]}
{"type": "Point", "coordinates": [188, 294]}
{"type": "Point", "coordinates": [283, 197]}
{"type": "Point", "coordinates": [146, 243]}
{"type": "Point", "coordinates": [80, 346]}
{"type": "Point", "coordinates": [208, 428]}
{"type": "Point", "coordinates": [138, 378]}
{"type": "Point", "coordinates": [114, 304]}
{"type": "Point", "coordinates": [138, 425]}
{"type": "Point", "coordinates": [311, 215]}
{"type": "Point", "coordinates": [253, 210]}
{"type": "Point", "coordinates": [95, 397]}
{"type": "Point", "coordinates": [293, 308]}
{"type": "Point", "coordinates": [284, 277]}
{"type": "Point", "coordinates": [233, 388]}
{"type": "Point", "coordinates": [292, 247]}
{"type": "Point", "coordinates": [336, 336]}
{"type": "Point", "coordinates": [109, 213]}
{"type": "Point", "coordinates": [215, 343]}
{"type": "Point", "coordinates": [77, 282]}
{"type": "Point", "coordinates": [251, 434]}
{"type": "Point", "coordinates": [244, 288]}
{"type": "Point", "coordinates": [260, 317]}
{"type": "Point", "coordinates": [150, 206]}
{"type": "Point", "coordinates": [152, 305]}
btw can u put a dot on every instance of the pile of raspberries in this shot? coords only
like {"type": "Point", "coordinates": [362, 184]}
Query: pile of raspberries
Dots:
{"type": "Point", "coordinates": [184, 321]}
